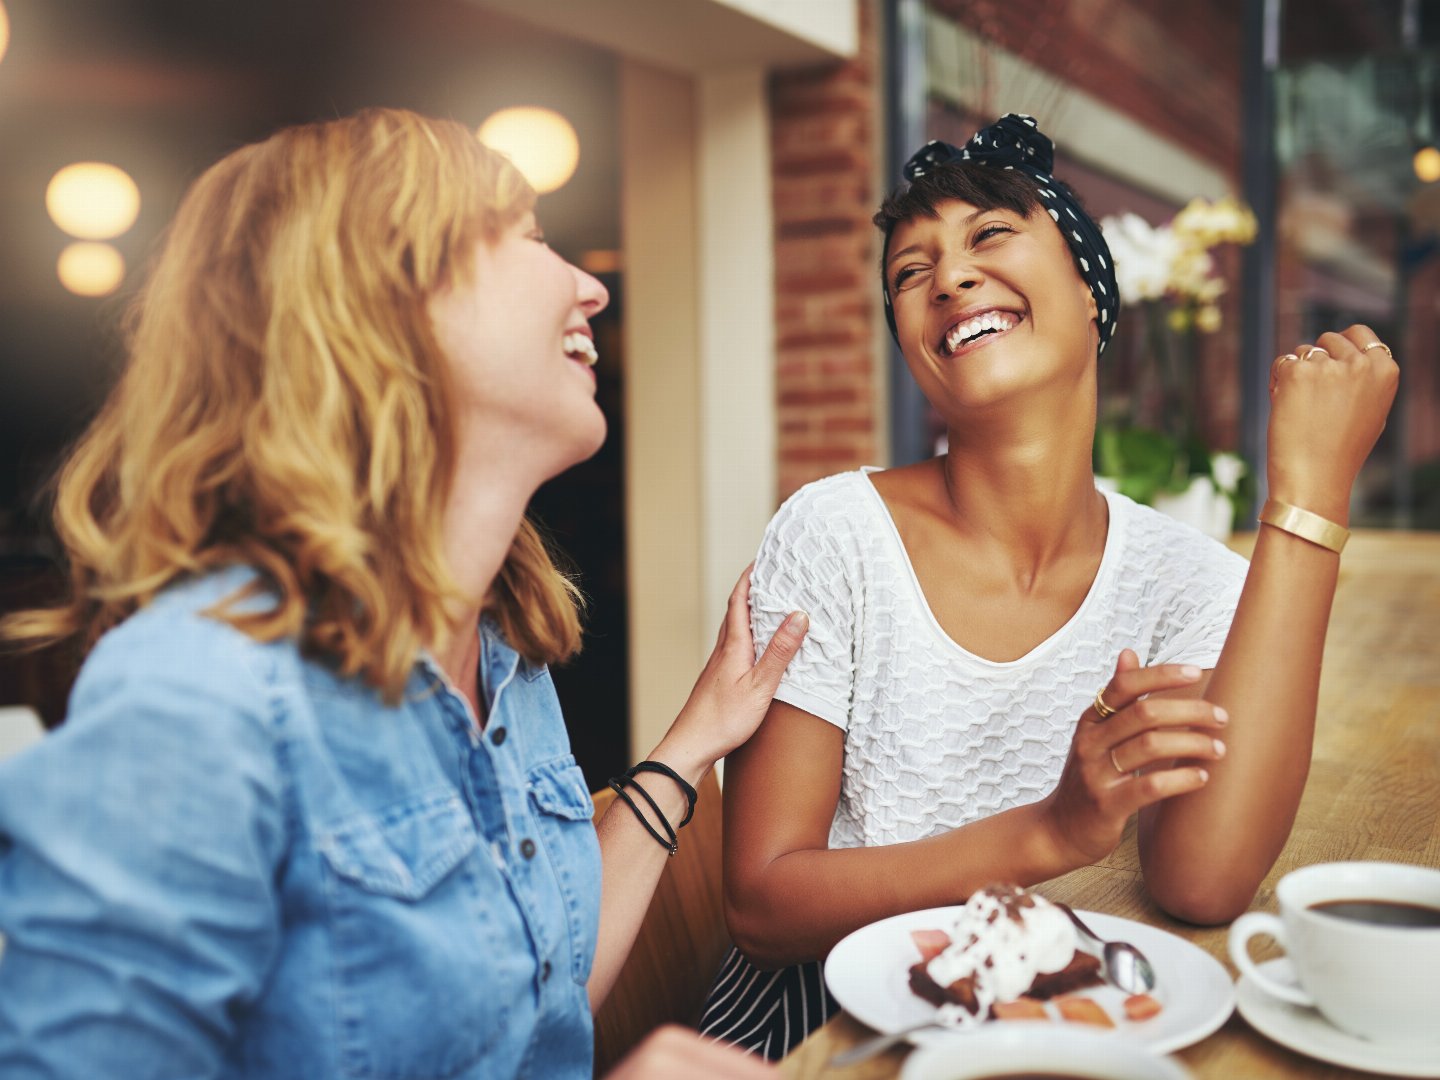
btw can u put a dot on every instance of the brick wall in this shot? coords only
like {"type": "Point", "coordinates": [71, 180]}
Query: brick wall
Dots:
{"type": "Point", "coordinates": [826, 131]}
{"type": "Point", "coordinates": [1174, 67]}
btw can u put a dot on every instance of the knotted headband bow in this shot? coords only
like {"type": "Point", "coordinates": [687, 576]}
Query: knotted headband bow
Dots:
{"type": "Point", "coordinates": [1014, 142]}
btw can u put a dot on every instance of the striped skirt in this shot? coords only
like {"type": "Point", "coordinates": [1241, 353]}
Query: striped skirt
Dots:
{"type": "Point", "coordinates": [768, 1013]}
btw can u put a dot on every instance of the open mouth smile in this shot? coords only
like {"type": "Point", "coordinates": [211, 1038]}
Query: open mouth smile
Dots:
{"type": "Point", "coordinates": [580, 348]}
{"type": "Point", "coordinates": [975, 329]}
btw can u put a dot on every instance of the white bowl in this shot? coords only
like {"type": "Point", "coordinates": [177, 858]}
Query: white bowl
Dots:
{"type": "Point", "coordinates": [1019, 1046]}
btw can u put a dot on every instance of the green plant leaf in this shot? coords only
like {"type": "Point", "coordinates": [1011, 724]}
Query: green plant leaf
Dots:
{"type": "Point", "coordinates": [1141, 461]}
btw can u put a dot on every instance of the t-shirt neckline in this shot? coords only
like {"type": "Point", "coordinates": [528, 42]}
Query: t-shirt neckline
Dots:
{"type": "Point", "coordinates": [1114, 537]}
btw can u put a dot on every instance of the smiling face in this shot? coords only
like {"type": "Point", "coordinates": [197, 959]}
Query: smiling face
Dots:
{"type": "Point", "coordinates": [988, 305]}
{"type": "Point", "coordinates": [515, 332]}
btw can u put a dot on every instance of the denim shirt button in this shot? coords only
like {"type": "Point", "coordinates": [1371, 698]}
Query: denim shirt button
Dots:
{"type": "Point", "coordinates": [527, 848]}
{"type": "Point", "coordinates": [498, 736]}
{"type": "Point", "coordinates": [545, 971]}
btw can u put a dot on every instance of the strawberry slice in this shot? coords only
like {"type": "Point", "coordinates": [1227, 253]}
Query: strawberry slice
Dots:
{"type": "Point", "coordinates": [931, 943]}
{"type": "Point", "coordinates": [1141, 1007]}
{"type": "Point", "coordinates": [1082, 1010]}
{"type": "Point", "coordinates": [1024, 1008]}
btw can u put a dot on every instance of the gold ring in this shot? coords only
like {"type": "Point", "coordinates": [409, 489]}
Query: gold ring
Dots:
{"type": "Point", "coordinates": [1102, 709]}
{"type": "Point", "coordinates": [1312, 350]}
{"type": "Point", "coordinates": [1116, 763]}
{"type": "Point", "coordinates": [1379, 345]}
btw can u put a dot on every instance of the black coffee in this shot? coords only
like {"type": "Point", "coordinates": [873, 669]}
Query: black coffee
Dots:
{"type": "Point", "coordinates": [1382, 912]}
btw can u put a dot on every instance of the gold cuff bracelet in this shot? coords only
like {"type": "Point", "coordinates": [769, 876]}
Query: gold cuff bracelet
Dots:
{"type": "Point", "coordinates": [1305, 525]}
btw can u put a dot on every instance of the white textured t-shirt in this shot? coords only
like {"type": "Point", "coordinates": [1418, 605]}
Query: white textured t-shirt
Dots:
{"type": "Point", "coordinates": [936, 737]}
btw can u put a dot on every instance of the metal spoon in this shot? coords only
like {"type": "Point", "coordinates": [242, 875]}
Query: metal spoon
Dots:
{"type": "Point", "coordinates": [1126, 967]}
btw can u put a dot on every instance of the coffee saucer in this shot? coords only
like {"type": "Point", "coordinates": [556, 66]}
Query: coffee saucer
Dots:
{"type": "Point", "coordinates": [1305, 1031]}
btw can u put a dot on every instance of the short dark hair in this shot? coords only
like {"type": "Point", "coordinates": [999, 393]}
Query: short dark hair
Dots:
{"type": "Point", "coordinates": [982, 186]}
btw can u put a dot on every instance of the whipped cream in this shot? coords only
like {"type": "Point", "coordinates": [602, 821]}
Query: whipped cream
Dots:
{"type": "Point", "coordinates": [1004, 937]}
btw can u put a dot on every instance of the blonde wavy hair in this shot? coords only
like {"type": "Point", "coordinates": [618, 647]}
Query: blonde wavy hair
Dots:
{"type": "Point", "coordinates": [284, 405]}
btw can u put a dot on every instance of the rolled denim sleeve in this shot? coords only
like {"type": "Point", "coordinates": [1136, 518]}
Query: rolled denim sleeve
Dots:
{"type": "Point", "coordinates": [139, 851]}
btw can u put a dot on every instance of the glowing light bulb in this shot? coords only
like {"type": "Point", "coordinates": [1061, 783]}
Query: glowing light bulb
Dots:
{"type": "Point", "coordinates": [91, 269]}
{"type": "Point", "coordinates": [1427, 164]}
{"type": "Point", "coordinates": [93, 201]}
{"type": "Point", "coordinates": [4, 30]}
{"type": "Point", "coordinates": [541, 143]}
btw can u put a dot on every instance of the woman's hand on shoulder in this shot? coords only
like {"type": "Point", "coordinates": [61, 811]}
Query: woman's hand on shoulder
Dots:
{"type": "Point", "coordinates": [1127, 759]}
{"type": "Point", "coordinates": [734, 690]}
{"type": "Point", "coordinates": [674, 1051]}
{"type": "Point", "coordinates": [1328, 404]}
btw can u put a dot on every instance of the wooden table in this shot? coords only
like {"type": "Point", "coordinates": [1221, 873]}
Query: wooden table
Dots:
{"type": "Point", "coordinates": [1373, 792]}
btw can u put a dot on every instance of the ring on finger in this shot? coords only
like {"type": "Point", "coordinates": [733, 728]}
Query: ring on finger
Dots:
{"type": "Point", "coordinates": [1280, 361]}
{"type": "Point", "coordinates": [1103, 709]}
{"type": "Point", "coordinates": [1311, 350]}
{"type": "Point", "coordinates": [1116, 763]}
{"type": "Point", "coordinates": [1379, 345]}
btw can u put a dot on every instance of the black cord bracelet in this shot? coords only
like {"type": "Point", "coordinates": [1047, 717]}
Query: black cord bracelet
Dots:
{"type": "Point", "coordinates": [665, 770]}
{"type": "Point", "coordinates": [630, 781]}
{"type": "Point", "coordinates": [618, 784]}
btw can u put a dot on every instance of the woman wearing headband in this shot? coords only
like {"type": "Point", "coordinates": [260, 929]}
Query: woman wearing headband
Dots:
{"type": "Point", "coordinates": [1004, 663]}
{"type": "Point", "coordinates": [313, 812]}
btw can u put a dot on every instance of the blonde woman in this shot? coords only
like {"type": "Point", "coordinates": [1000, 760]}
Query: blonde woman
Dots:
{"type": "Point", "coordinates": [313, 812]}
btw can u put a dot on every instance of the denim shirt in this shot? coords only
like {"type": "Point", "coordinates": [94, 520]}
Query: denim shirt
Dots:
{"type": "Point", "coordinates": [232, 862]}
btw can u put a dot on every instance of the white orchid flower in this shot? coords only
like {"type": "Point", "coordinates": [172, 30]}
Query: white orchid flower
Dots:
{"type": "Point", "coordinates": [1228, 469]}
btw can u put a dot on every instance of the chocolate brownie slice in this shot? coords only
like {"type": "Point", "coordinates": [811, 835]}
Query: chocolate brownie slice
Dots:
{"type": "Point", "coordinates": [1082, 971]}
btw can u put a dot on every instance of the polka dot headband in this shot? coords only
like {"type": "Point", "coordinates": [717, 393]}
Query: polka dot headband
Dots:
{"type": "Point", "coordinates": [1014, 142]}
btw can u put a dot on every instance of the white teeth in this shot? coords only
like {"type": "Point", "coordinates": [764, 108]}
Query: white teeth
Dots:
{"type": "Point", "coordinates": [580, 347]}
{"type": "Point", "coordinates": [992, 320]}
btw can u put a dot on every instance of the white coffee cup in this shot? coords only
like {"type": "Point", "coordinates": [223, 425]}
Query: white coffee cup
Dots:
{"type": "Point", "coordinates": [1379, 982]}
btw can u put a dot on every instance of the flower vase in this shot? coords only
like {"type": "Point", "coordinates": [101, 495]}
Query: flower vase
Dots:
{"type": "Point", "coordinates": [1202, 506]}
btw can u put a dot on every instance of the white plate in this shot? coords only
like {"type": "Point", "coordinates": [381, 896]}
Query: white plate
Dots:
{"type": "Point", "coordinates": [1033, 1049]}
{"type": "Point", "coordinates": [1307, 1032]}
{"type": "Point", "coordinates": [869, 974]}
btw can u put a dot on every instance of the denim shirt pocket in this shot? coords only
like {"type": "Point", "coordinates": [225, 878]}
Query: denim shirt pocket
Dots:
{"type": "Point", "coordinates": [557, 788]}
{"type": "Point", "coordinates": [410, 933]}
{"type": "Point", "coordinates": [405, 852]}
